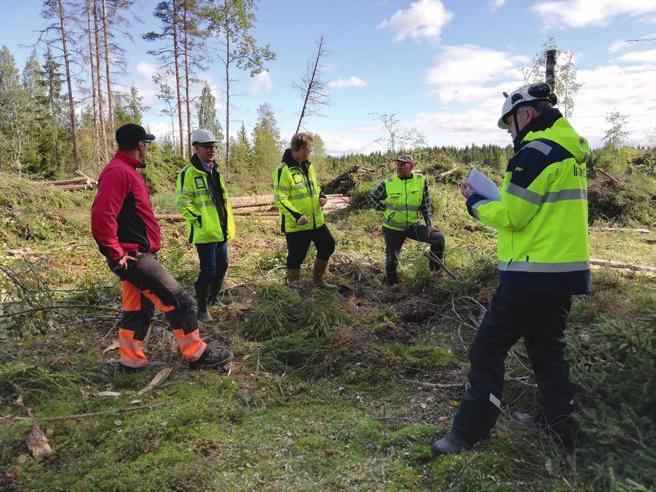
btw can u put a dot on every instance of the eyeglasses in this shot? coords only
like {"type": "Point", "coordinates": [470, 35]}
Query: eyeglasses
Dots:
{"type": "Point", "coordinates": [209, 147]}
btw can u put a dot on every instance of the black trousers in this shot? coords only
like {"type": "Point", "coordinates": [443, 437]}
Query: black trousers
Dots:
{"type": "Point", "coordinates": [540, 319]}
{"type": "Point", "coordinates": [147, 284]}
{"type": "Point", "coordinates": [394, 241]}
{"type": "Point", "coordinates": [298, 244]}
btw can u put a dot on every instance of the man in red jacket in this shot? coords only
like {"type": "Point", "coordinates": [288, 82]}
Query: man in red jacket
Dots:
{"type": "Point", "coordinates": [124, 226]}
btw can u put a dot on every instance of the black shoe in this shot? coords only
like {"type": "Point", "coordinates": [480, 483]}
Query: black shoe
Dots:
{"type": "Point", "coordinates": [212, 358]}
{"type": "Point", "coordinates": [450, 444]}
{"type": "Point", "coordinates": [150, 366]}
{"type": "Point", "coordinates": [525, 420]}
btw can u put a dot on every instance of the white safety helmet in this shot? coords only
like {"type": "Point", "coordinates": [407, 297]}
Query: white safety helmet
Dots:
{"type": "Point", "coordinates": [202, 136]}
{"type": "Point", "coordinates": [524, 95]}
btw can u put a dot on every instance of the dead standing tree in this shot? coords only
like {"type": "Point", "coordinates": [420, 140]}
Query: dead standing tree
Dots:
{"type": "Point", "coordinates": [167, 12]}
{"type": "Point", "coordinates": [55, 9]}
{"type": "Point", "coordinates": [314, 90]}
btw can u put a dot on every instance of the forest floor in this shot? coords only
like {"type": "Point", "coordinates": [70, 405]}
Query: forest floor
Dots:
{"type": "Point", "coordinates": [329, 390]}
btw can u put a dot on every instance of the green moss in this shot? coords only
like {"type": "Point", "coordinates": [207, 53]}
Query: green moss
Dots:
{"type": "Point", "coordinates": [418, 356]}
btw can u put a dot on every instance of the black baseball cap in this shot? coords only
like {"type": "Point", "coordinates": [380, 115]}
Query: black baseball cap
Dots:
{"type": "Point", "coordinates": [128, 136]}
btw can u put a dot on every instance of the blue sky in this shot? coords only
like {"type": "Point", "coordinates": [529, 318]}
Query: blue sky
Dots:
{"type": "Point", "coordinates": [441, 64]}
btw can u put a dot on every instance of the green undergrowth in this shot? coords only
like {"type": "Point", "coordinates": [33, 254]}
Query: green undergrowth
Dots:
{"type": "Point", "coordinates": [36, 213]}
{"type": "Point", "coordinates": [329, 390]}
{"type": "Point", "coordinates": [614, 349]}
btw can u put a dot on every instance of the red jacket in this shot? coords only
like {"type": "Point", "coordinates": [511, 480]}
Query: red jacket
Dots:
{"type": "Point", "coordinates": [122, 217]}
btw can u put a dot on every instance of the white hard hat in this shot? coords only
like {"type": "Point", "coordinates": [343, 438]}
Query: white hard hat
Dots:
{"type": "Point", "coordinates": [202, 136]}
{"type": "Point", "coordinates": [524, 95]}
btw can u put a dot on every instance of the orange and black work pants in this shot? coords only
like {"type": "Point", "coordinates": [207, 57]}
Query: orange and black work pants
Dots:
{"type": "Point", "coordinates": [145, 284]}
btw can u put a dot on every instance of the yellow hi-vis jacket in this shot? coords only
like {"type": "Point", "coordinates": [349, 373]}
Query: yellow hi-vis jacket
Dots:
{"type": "Point", "coordinates": [542, 216]}
{"type": "Point", "coordinates": [403, 201]}
{"type": "Point", "coordinates": [196, 204]}
{"type": "Point", "coordinates": [296, 192]}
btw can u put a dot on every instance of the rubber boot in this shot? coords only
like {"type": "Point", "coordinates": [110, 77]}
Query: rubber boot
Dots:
{"type": "Point", "coordinates": [202, 287]}
{"type": "Point", "coordinates": [392, 277]}
{"type": "Point", "coordinates": [213, 296]}
{"type": "Point", "coordinates": [293, 275]}
{"type": "Point", "coordinates": [320, 267]}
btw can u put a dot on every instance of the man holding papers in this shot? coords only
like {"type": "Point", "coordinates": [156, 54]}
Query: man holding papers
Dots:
{"type": "Point", "coordinates": [541, 217]}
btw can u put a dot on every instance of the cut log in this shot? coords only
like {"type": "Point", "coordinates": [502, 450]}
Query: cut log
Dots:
{"type": "Point", "coordinates": [251, 201]}
{"type": "Point", "coordinates": [75, 187]}
{"type": "Point", "coordinates": [622, 265]}
{"type": "Point", "coordinates": [619, 229]}
{"type": "Point", "coordinates": [605, 174]}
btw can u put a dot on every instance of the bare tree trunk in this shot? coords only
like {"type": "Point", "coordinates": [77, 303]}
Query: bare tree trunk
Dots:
{"type": "Point", "coordinates": [186, 69]}
{"type": "Point", "coordinates": [227, 77]}
{"type": "Point", "coordinates": [310, 83]}
{"type": "Point", "coordinates": [101, 112]}
{"type": "Point", "coordinates": [96, 155]}
{"type": "Point", "coordinates": [176, 61]}
{"type": "Point", "coordinates": [550, 69]}
{"type": "Point", "coordinates": [69, 84]}
{"type": "Point", "coordinates": [108, 79]}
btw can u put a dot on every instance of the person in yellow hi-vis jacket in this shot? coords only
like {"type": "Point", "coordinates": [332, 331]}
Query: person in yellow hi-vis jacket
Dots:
{"type": "Point", "coordinates": [405, 200]}
{"type": "Point", "coordinates": [202, 199]}
{"type": "Point", "coordinates": [542, 223]}
{"type": "Point", "coordinates": [299, 199]}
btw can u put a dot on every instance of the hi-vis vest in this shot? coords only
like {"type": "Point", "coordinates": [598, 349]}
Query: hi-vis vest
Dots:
{"type": "Point", "coordinates": [403, 201]}
{"type": "Point", "coordinates": [542, 217]}
{"type": "Point", "coordinates": [194, 201]}
{"type": "Point", "coordinates": [296, 193]}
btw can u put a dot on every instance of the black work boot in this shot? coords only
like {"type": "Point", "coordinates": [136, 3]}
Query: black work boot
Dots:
{"type": "Point", "coordinates": [202, 286]}
{"type": "Point", "coordinates": [450, 444]}
{"type": "Point", "coordinates": [293, 276]}
{"type": "Point", "coordinates": [213, 296]}
{"type": "Point", "coordinates": [150, 366]}
{"type": "Point", "coordinates": [392, 277]}
{"type": "Point", "coordinates": [212, 358]}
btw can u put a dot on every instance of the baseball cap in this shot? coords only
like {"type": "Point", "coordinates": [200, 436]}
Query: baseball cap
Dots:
{"type": "Point", "coordinates": [403, 158]}
{"type": "Point", "coordinates": [130, 134]}
{"type": "Point", "coordinates": [202, 136]}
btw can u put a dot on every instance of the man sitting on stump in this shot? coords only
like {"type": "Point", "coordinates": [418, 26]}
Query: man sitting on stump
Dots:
{"type": "Point", "coordinates": [404, 198]}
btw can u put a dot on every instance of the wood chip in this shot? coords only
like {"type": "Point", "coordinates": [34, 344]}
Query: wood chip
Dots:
{"type": "Point", "coordinates": [159, 378]}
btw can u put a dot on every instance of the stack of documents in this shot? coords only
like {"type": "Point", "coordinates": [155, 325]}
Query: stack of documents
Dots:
{"type": "Point", "coordinates": [482, 185]}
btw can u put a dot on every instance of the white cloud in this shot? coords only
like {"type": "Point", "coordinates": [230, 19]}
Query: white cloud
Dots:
{"type": "Point", "coordinates": [618, 45]}
{"type": "Point", "coordinates": [339, 145]}
{"type": "Point", "coordinates": [423, 19]}
{"type": "Point", "coordinates": [627, 89]}
{"type": "Point", "coordinates": [146, 69]}
{"type": "Point", "coordinates": [345, 83]}
{"type": "Point", "coordinates": [583, 13]}
{"type": "Point", "coordinates": [161, 128]}
{"type": "Point", "coordinates": [469, 63]}
{"type": "Point", "coordinates": [464, 73]}
{"type": "Point", "coordinates": [495, 4]}
{"type": "Point", "coordinates": [641, 57]}
{"type": "Point", "coordinates": [262, 84]}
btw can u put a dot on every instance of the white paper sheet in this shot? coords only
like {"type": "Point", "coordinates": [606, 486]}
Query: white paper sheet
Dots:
{"type": "Point", "coordinates": [483, 185]}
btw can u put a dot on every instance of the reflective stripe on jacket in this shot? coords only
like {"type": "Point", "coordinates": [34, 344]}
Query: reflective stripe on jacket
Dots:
{"type": "Point", "coordinates": [403, 201]}
{"type": "Point", "coordinates": [194, 200]}
{"type": "Point", "coordinates": [296, 192]}
{"type": "Point", "coordinates": [542, 216]}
